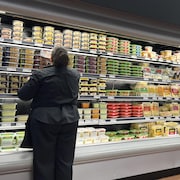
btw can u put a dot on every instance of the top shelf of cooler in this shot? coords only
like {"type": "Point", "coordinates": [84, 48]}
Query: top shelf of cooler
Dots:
{"type": "Point", "coordinates": [132, 58]}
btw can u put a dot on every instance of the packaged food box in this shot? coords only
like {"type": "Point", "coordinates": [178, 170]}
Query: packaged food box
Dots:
{"type": "Point", "coordinates": [5, 113]}
{"type": "Point", "coordinates": [103, 105]}
{"type": "Point", "coordinates": [22, 118]}
{"type": "Point", "coordinates": [7, 139]}
{"type": "Point", "coordinates": [8, 106]}
{"type": "Point", "coordinates": [8, 119]}
{"type": "Point", "coordinates": [19, 137]}
{"type": "Point", "coordinates": [95, 115]}
{"type": "Point", "coordinates": [103, 116]}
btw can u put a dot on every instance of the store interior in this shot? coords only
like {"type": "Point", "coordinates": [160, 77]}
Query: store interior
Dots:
{"type": "Point", "coordinates": [129, 96]}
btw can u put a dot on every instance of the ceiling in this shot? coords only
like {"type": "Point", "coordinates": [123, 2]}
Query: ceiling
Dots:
{"type": "Point", "coordinates": [158, 10]}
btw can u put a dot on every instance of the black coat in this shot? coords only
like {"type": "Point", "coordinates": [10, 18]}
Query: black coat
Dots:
{"type": "Point", "coordinates": [54, 92]}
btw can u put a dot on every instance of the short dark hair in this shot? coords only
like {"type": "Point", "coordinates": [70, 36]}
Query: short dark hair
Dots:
{"type": "Point", "coordinates": [59, 57]}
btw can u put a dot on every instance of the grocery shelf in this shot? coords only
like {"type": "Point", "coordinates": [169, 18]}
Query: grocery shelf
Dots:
{"type": "Point", "coordinates": [15, 71]}
{"type": "Point", "coordinates": [88, 122]}
{"type": "Point", "coordinates": [82, 53]}
{"type": "Point", "coordinates": [136, 59]}
{"type": "Point", "coordinates": [113, 158]}
{"type": "Point", "coordinates": [12, 126]}
{"type": "Point", "coordinates": [112, 77]}
{"type": "Point", "coordinates": [15, 43]}
{"type": "Point", "coordinates": [127, 98]}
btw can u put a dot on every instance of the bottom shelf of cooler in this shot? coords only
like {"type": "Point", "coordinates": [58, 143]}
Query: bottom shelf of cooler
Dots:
{"type": "Point", "coordinates": [106, 161]}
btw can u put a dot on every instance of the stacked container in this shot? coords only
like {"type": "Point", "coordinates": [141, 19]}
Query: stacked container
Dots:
{"type": "Point", "coordinates": [18, 30]}
{"type": "Point", "coordinates": [71, 60]}
{"type": "Point", "coordinates": [48, 35]}
{"type": "Point", "coordinates": [92, 87]}
{"type": "Point", "coordinates": [8, 112]}
{"type": "Point", "coordinates": [6, 56]}
{"type": "Point", "coordinates": [58, 38]}
{"type": "Point", "coordinates": [101, 65]}
{"type": "Point", "coordinates": [26, 58]}
{"type": "Point", "coordinates": [112, 110]}
{"type": "Point", "coordinates": [14, 83]}
{"type": "Point", "coordinates": [136, 71]}
{"type": "Point", "coordinates": [6, 33]}
{"type": "Point", "coordinates": [85, 41]}
{"type": "Point", "coordinates": [124, 47]}
{"type": "Point", "coordinates": [68, 38]}
{"type": "Point", "coordinates": [125, 110]}
{"type": "Point", "coordinates": [37, 34]}
{"type": "Point", "coordinates": [102, 43]}
{"type": "Point", "coordinates": [136, 50]}
{"type": "Point", "coordinates": [103, 110]}
{"type": "Point", "coordinates": [137, 110]}
{"type": "Point", "coordinates": [1, 55]}
{"type": "Point", "coordinates": [14, 57]}
{"type": "Point", "coordinates": [125, 68]}
{"type": "Point", "coordinates": [76, 40]}
{"type": "Point", "coordinates": [79, 63]}
{"type": "Point", "coordinates": [83, 86]}
{"type": "Point", "coordinates": [91, 64]}
{"type": "Point", "coordinates": [101, 87]}
{"type": "Point", "coordinates": [3, 83]}
{"type": "Point", "coordinates": [112, 45]}
{"type": "Point", "coordinates": [112, 66]}
{"type": "Point", "coordinates": [93, 42]}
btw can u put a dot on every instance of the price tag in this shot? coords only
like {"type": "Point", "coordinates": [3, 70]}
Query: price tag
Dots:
{"type": "Point", "coordinates": [37, 44]}
{"type": "Point", "coordinates": [147, 118]}
{"type": "Point", "coordinates": [20, 124]}
{"type": "Point", "coordinates": [6, 124]}
{"type": "Point", "coordinates": [26, 70]}
{"type": "Point", "coordinates": [92, 51]}
{"type": "Point", "coordinates": [145, 98]}
{"type": "Point", "coordinates": [160, 60]}
{"type": "Point", "coordinates": [134, 57]}
{"type": "Point", "coordinates": [160, 98]}
{"type": "Point", "coordinates": [110, 53]}
{"type": "Point", "coordinates": [154, 98]}
{"type": "Point", "coordinates": [96, 97]}
{"type": "Point", "coordinates": [147, 59]}
{"type": "Point", "coordinates": [112, 76]}
{"type": "Point", "coordinates": [1, 39]}
{"type": "Point", "coordinates": [102, 75]}
{"type": "Point", "coordinates": [17, 42]}
{"type": "Point", "coordinates": [153, 59]}
{"type": "Point", "coordinates": [146, 79]}
{"type": "Point", "coordinates": [168, 61]}
{"type": "Point", "coordinates": [161, 118]}
{"type": "Point", "coordinates": [11, 69]}
{"type": "Point", "coordinates": [156, 118]}
{"type": "Point", "coordinates": [75, 49]}
{"type": "Point", "coordinates": [110, 97]}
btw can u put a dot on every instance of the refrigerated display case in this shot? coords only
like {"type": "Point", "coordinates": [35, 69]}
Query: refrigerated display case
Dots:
{"type": "Point", "coordinates": [102, 160]}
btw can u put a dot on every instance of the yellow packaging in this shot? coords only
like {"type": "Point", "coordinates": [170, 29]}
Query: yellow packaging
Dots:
{"type": "Point", "coordinates": [155, 109]}
{"type": "Point", "coordinates": [156, 130]}
{"type": "Point", "coordinates": [175, 109]}
{"type": "Point", "coordinates": [147, 109]}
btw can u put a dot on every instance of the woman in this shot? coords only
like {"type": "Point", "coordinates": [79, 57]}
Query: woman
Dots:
{"type": "Point", "coordinates": [53, 118]}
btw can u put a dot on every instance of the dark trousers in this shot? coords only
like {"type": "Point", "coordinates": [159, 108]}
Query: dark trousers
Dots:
{"type": "Point", "coordinates": [53, 150]}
